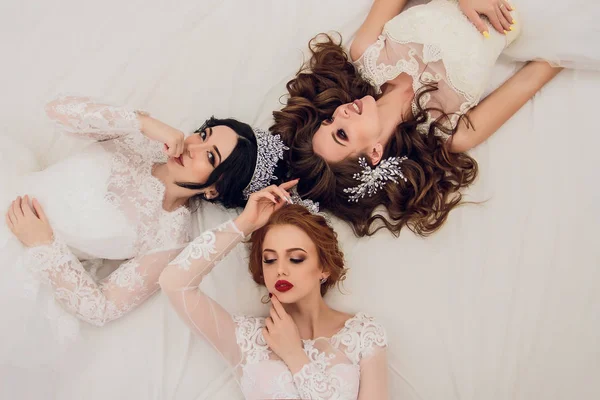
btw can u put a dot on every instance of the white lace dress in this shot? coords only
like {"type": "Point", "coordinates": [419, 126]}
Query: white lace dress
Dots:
{"type": "Point", "coordinates": [103, 204]}
{"type": "Point", "coordinates": [436, 43]}
{"type": "Point", "coordinates": [349, 365]}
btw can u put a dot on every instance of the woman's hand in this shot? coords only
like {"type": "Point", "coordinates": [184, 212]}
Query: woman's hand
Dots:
{"type": "Point", "coordinates": [29, 224]}
{"type": "Point", "coordinates": [283, 337]}
{"type": "Point", "coordinates": [262, 204]}
{"type": "Point", "coordinates": [173, 139]}
{"type": "Point", "coordinates": [497, 12]}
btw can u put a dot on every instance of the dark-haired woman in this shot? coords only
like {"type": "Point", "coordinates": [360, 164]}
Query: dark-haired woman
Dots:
{"type": "Point", "coordinates": [123, 196]}
{"type": "Point", "coordinates": [389, 125]}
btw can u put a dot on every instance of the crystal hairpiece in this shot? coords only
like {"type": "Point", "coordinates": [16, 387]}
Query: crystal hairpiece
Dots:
{"type": "Point", "coordinates": [310, 205]}
{"type": "Point", "coordinates": [269, 152]}
{"type": "Point", "coordinates": [374, 179]}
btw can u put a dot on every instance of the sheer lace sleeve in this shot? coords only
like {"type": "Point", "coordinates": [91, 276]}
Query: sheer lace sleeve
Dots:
{"type": "Point", "coordinates": [98, 302]}
{"type": "Point", "coordinates": [83, 117]}
{"type": "Point", "coordinates": [374, 375]}
{"type": "Point", "coordinates": [180, 282]}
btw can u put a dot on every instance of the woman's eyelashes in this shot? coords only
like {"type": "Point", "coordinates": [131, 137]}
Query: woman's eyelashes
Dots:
{"type": "Point", "coordinates": [209, 155]}
{"type": "Point", "coordinates": [293, 260]}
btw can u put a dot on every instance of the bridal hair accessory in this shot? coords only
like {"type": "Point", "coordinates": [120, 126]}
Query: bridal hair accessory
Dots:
{"type": "Point", "coordinates": [269, 152]}
{"type": "Point", "coordinates": [374, 179]}
{"type": "Point", "coordinates": [310, 205]}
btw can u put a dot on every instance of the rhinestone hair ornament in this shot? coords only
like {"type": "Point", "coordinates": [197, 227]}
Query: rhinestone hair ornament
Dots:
{"type": "Point", "coordinates": [374, 179]}
{"type": "Point", "coordinates": [269, 151]}
{"type": "Point", "coordinates": [311, 206]}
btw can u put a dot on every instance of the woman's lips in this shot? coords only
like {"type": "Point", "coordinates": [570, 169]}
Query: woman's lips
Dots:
{"type": "Point", "coordinates": [358, 106]}
{"type": "Point", "coordinates": [283, 286]}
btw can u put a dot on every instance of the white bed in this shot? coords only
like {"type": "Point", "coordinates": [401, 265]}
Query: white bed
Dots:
{"type": "Point", "coordinates": [500, 304]}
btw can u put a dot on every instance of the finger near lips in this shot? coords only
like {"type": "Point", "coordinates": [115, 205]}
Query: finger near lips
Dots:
{"type": "Point", "coordinates": [274, 315]}
{"type": "Point", "coordinates": [268, 323]}
{"type": "Point", "coordinates": [278, 307]}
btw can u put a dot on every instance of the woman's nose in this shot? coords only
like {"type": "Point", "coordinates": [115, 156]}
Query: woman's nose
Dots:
{"type": "Point", "coordinates": [193, 148]}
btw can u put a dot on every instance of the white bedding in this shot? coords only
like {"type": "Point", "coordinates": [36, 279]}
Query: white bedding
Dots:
{"type": "Point", "coordinates": [500, 304]}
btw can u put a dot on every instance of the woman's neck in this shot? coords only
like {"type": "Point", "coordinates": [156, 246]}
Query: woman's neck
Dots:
{"type": "Point", "coordinates": [394, 106]}
{"type": "Point", "coordinates": [175, 196]}
{"type": "Point", "coordinates": [312, 317]}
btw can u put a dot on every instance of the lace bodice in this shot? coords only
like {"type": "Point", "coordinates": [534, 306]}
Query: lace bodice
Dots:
{"type": "Point", "coordinates": [334, 371]}
{"type": "Point", "coordinates": [110, 208]}
{"type": "Point", "coordinates": [435, 43]}
{"type": "Point", "coordinates": [349, 365]}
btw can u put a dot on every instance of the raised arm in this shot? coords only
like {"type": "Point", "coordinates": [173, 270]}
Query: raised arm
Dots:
{"type": "Point", "coordinates": [497, 108]}
{"type": "Point", "coordinates": [82, 116]}
{"type": "Point", "coordinates": [182, 278]}
{"type": "Point", "coordinates": [85, 117]}
{"type": "Point", "coordinates": [381, 12]}
{"type": "Point", "coordinates": [180, 281]}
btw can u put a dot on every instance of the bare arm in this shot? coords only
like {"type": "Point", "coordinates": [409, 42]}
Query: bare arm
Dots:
{"type": "Point", "coordinates": [487, 117]}
{"type": "Point", "coordinates": [381, 12]}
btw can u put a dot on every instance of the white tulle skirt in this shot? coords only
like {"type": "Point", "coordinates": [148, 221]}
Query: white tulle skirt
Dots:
{"type": "Point", "coordinates": [564, 33]}
{"type": "Point", "coordinates": [31, 349]}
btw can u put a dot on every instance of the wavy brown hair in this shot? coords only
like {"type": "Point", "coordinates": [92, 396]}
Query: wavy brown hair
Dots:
{"type": "Point", "coordinates": [331, 258]}
{"type": "Point", "coordinates": [434, 175]}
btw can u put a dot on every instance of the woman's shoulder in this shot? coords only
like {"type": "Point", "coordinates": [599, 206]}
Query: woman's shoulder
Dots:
{"type": "Point", "coordinates": [367, 331]}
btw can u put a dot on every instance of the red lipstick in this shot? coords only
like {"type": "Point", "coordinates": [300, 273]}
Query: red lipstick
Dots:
{"type": "Point", "coordinates": [283, 286]}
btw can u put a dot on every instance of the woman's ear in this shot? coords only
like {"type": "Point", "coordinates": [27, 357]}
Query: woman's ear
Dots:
{"type": "Point", "coordinates": [376, 153]}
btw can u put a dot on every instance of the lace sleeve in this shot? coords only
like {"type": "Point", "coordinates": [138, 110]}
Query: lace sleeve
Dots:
{"type": "Point", "coordinates": [82, 116]}
{"type": "Point", "coordinates": [374, 375]}
{"type": "Point", "coordinates": [98, 302]}
{"type": "Point", "coordinates": [180, 282]}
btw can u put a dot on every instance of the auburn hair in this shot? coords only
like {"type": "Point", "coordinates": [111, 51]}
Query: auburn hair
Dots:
{"type": "Point", "coordinates": [331, 258]}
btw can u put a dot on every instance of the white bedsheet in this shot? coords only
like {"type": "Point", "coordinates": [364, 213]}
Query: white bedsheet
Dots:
{"type": "Point", "coordinates": [500, 304]}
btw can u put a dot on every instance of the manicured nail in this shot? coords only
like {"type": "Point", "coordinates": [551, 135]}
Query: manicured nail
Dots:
{"type": "Point", "coordinates": [289, 200]}
{"type": "Point", "coordinates": [510, 29]}
{"type": "Point", "coordinates": [514, 22]}
{"type": "Point", "coordinates": [505, 32]}
{"type": "Point", "coordinates": [486, 34]}
{"type": "Point", "coordinates": [270, 295]}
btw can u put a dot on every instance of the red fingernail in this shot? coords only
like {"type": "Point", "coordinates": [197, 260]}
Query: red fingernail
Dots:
{"type": "Point", "coordinates": [270, 295]}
